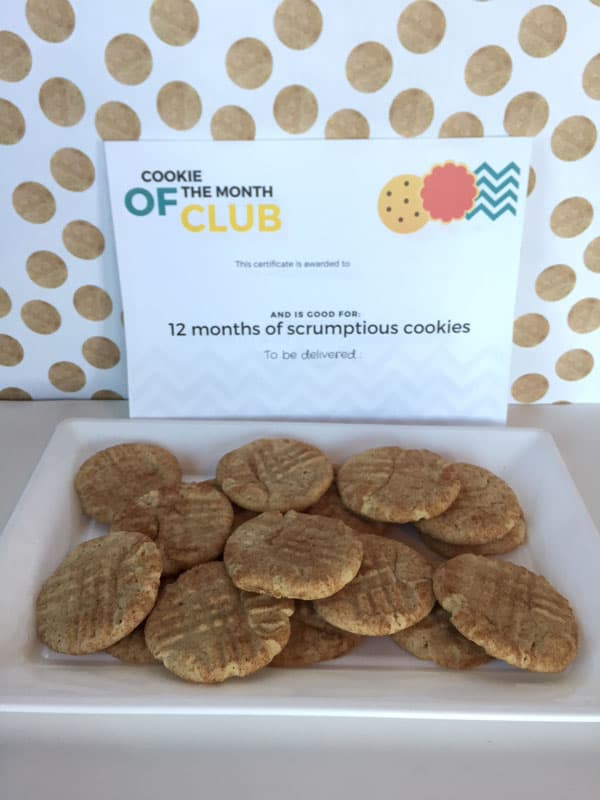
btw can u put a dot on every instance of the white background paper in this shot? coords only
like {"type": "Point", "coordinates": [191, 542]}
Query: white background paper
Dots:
{"type": "Point", "coordinates": [470, 26]}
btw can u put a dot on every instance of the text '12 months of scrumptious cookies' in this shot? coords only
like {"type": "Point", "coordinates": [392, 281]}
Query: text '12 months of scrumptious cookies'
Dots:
{"type": "Point", "coordinates": [319, 279]}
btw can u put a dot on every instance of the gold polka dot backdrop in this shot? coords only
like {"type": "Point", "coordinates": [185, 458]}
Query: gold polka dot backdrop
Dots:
{"type": "Point", "coordinates": [74, 73]}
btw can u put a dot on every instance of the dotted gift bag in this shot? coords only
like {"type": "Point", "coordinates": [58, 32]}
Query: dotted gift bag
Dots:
{"type": "Point", "coordinates": [74, 73]}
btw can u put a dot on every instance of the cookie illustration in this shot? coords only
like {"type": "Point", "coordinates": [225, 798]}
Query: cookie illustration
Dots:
{"type": "Point", "coordinates": [448, 192]}
{"type": "Point", "coordinates": [400, 206]}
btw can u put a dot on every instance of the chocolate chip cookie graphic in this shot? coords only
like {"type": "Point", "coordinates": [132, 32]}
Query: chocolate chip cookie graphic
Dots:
{"type": "Point", "coordinates": [400, 206]}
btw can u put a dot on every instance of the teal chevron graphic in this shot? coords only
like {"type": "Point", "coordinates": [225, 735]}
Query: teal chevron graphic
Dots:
{"type": "Point", "coordinates": [485, 167]}
{"type": "Point", "coordinates": [493, 200]}
{"type": "Point", "coordinates": [498, 187]}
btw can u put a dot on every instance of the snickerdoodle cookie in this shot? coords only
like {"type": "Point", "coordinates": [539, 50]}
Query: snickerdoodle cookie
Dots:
{"type": "Point", "coordinates": [391, 484]}
{"type": "Point", "coordinates": [275, 474]}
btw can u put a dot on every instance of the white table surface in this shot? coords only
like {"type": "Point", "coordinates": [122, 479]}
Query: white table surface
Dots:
{"type": "Point", "coordinates": [71, 756]}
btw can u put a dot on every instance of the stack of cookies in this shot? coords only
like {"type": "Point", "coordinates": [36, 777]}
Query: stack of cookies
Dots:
{"type": "Point", "coordinates": [283, 560]}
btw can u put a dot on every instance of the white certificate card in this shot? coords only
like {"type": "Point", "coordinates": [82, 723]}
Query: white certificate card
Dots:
{"type": "Point", "coordinates": [363, 280]}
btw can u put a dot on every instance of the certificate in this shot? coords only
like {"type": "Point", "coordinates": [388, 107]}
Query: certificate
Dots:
{"type": "Point", "coordinates": [305, 279]}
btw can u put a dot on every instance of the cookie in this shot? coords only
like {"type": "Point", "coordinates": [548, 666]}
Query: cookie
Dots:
{"type": "Point", "coordinates": [205, 630]}
{"type": "Point", "coordinates": [514, 614]}
{"type": "Point", "coordinates": [132, 649]}
{"type": "Point", "coordinates": [102, 590]}
{"type": "Point", "coordinates": [111, 478]}
{"type": "Point", "coordinates": [391, 484]}
{"type": "Point", "coordinates": [330, 505]}
{"type": "Point", "coordinates": [189, 522]}
{"type": "Point", "coordinates": [313, 640]}
{"type": "Point", "coordinates": [486, 509]}
{"type": "Point", "coordinates": [510, 541]}
{"type": "Point", "coordinates": [391, 591]}
{"type": "Point", "coordinates": [400, 206]}
{"type": "Point", "coordinates": [241, 515]}
{"type": "Point", "coordinates": [293, 555]}
{"type": "Point", "coordinates": [275, 475]}
{"type": "Point", "coordinates": [436, 639]}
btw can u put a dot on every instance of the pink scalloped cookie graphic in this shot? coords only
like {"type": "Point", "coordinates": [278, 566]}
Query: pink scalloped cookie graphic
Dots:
{"type": "Point", "coordinates": [448, 192]}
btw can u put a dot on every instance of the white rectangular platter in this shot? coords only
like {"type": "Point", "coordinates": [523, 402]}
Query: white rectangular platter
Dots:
{"type": "Point", "coordinates": [377, 679]}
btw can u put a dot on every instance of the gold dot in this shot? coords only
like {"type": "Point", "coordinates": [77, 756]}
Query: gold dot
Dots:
{"type": "Point", "coordinates": [249, 63]}
{"type": "Point", "coordinates": [92, 302]}
{"type": "Point", "coordinates": [14, 393]}
{"type": "Point", "coordinates": [51, 20]}
{"type": "Point", "coordinates": [72, 169]}
{"type": "Point", "coordinates": [101, 352]}
{"type": "Point", "coordinates": [15, 57]}
{"type": "Point", "coordinates": [175, 22]}
{"type": "Point", "coordinates": [83, 240]}
{"type": "Point", "coordinates": [591, 78]}
{"type": "Point", "coordinates": [531, 181]}
{"type": "Point", "coordinates": [542, 31]}
{"type": "Point", "coordinates": [488, 70]}
{"type": "Point", "coordinates": [12, 123]}
{"type": "Point", "coordinates": [106, 394]}
{"type": "Point", "coordinates": [5, 303]}
{"type": "Point", "coordinates": [347, 124]}
{"type": "Point", "coordinates": [462, 124]}
{"type": "Point", "coordinates": [298, 23]}
{"type": "Point", "coordinates": [46, 269]}
{"type": "Point", "coordinates": [40, 317]}
{"type": "Point", "coordinates": [231, 123]}
{"type": "Point", "coordinates": [11, 352]}
{"type": "Point", "coordinates": [411, 112]}
{"type": "Point", "coordinates": [421, 26]}
{"type": "Point", "coordinates": [591, 256]}
{"type": "Point", "coordinates": [369, 67]}
{"type": "Point", "coordinates": [62, 102]}
{"type": "Point", "coordinates": [574, 138]}
{"type": "Point", "coordinates": [33, 202]}
{"type": "Point", "coordinates": [530, 330]}
{"type": "Point", "coordinates": [574, 365]}
{"type": "Point", "coordinates": [66, 376]}
{"type": "Point", "coordinates": [117, 122]}
{"type": "Point", "coordinates": [526, 114]}
{"type": "Point", "coordinates": [128, 59]}
{"type": "Point", "coordinates": [555, 282]}
{"type": "Point", "coordinates": [584, 317]}
{"type": "Point", "coordinates": [179, 105]}
{"type": "Point", "coordinates": [295, 109]}
{"type": "Point", "coordinates": [529, 388]}
{"type": "Point", "coordinates": [571, 217]}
